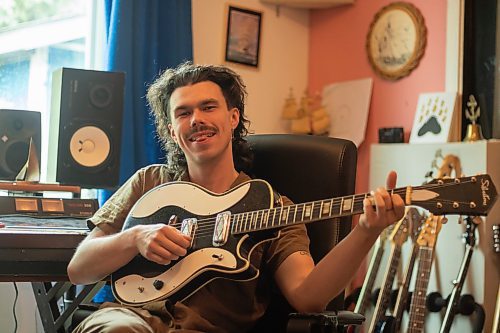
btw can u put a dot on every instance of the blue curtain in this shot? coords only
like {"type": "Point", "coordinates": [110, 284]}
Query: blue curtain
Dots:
{"type": "Point", "coordinates": [144, 37]}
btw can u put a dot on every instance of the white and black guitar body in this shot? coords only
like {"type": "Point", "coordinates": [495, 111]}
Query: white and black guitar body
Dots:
{"type": "Point", "coordinates": [142, 281]}
{"type": "Point", "coordinates": [226, 228]}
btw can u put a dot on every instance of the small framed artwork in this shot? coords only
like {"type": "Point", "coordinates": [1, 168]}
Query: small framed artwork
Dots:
{"type": "Point", "coordinates": [243, 36]}
{"type": "Point", "coordinates": [396, 40]}
{"type": "Point", "coordinates": [435, 119]}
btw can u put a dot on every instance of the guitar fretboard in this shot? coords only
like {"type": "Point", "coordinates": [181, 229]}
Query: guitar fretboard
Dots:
{"type": "Point", "coordinates": [365, 294]}
{"type": "Point", "coordinates": [417, 308]}
{"type": "Point", "coordinates": [385, 292]}
{"type": "Point", "coordinates": [295, 214]}
{"type": "Point", "coordinates": [402, 299]}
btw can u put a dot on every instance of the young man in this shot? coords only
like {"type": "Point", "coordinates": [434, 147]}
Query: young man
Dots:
{"type": "Point", "coordinates": [200, 118]}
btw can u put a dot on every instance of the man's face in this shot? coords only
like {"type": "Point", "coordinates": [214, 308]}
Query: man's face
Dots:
{"type": "Point", "coordinates": [201, 123]}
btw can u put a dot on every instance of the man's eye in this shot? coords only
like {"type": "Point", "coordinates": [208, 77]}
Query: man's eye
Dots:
{"type": "Point", "coordinates": [183, 113]}
{"type": "Point", "coordinates": [209, 107]}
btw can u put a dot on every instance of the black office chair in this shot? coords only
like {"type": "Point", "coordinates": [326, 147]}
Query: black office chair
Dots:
{"type": "Point", "coordinates": [305, 168]}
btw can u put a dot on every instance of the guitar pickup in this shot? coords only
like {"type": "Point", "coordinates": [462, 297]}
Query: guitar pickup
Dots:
{"type": "Point", "coordinates": [188, 228]}
{"type": "Point", "coordinates": [221, 230]}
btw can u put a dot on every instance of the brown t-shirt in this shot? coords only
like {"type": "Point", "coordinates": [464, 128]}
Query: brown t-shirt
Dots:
{"type": "Point", "coordinates": [222, 305]}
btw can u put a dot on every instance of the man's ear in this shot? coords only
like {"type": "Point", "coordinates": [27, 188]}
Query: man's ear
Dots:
{"type": "Point", "coordinates": [235, 117]}
{"type": "Point", "coordinates": [172, 133]}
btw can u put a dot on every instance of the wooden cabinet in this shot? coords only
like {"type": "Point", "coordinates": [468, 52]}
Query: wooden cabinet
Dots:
{"type": "Point", "coordinates": [412, 162]}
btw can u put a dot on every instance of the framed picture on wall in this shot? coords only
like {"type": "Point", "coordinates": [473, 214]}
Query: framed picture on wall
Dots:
{"type": "Point", "coordinates": [243, 36]}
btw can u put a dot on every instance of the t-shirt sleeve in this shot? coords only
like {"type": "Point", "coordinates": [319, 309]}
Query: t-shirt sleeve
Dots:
{"type": "Point", "coordinates": [292, 239]}
{"type": "Point", "coordinates": [111, 216]}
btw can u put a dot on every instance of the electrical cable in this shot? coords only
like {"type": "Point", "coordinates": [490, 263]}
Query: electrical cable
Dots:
{"type": "Point", "coordinates": [14, 307]}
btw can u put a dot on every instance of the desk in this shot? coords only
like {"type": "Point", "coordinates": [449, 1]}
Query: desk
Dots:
{"type": "Point", "coordinates": [38, 251]}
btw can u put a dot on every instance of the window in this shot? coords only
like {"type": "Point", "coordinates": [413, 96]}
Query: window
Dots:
{"type": "Point", "coordinates": [37, 37]}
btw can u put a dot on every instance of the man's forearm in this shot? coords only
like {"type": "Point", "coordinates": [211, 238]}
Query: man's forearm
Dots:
{"type": "Point", "coordinates": [332, 274]}
{"type": "Point", "coordinates": [97, 257]}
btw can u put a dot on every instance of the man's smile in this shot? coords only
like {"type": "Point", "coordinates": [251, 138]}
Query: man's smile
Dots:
{"type": "Point", "coordinates": [201, 135]}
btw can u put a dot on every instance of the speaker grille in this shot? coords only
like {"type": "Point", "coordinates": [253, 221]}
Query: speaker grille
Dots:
{"type": "Point", "coordinates": [17, 128]}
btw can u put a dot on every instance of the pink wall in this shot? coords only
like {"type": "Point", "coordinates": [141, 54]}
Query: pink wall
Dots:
{"type": "Point", "coordinates": [337, 53]}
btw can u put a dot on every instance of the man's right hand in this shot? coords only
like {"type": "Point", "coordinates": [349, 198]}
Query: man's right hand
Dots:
{"type": "Point", "coordinates": [161, 243]}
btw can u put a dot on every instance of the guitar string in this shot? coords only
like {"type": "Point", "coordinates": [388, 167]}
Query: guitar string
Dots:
{"type": "Point", "coordinates": [208, 227]}
{"type": "Point", "coordinates": [300, 207]}
{"type": "Point", "coordinates": [207, 224]}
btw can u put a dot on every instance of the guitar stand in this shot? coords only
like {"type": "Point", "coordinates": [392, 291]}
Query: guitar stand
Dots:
{"type": "Point", "coordinates": [466, 307]}
{"type": "Point", "coordinates": [324, 322]}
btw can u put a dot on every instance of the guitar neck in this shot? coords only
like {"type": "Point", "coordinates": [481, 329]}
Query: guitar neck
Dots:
{"type": "Point", "coordinates": [441, 197]}
{"type": "Point", "coordinates": [364, 296]}
{"type": "Point", "coordinates": [403, 290]}
{"type": "Point", "coordinates": [457, 290]}
{"type": "Point", "coordinates": [385, 292]}
{"type": "Point", "coordinates": [297, 214]}
{"type": "Point", "coordinates": [417, 308]}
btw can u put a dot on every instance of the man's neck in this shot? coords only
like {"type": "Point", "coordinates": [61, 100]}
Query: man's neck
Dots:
{"type": "Point", "coordinates": [217, 178]}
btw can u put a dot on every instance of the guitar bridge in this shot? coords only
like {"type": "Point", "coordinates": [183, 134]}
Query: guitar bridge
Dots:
{"type": "Point", "coordinates": [221, 230]}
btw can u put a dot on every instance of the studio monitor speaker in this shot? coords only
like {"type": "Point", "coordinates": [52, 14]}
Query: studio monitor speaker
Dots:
{"type": "Point", "coordinates": [85, 127]}
{"type": "Point", "coordinates": [18, 128]}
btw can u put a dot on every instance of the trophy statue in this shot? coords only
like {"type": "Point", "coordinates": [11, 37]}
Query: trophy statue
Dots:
{"type": "Point", "coordinates": [474, 132]}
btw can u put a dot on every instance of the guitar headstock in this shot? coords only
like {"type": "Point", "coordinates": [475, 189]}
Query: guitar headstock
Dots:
{"type": "Point", "coordinates": [430, 230]}
{"type": "Point", "coordinates": [400, 232]}
{"type": "Point", "coordinates": [471, 223]}
{"type": "Point", "coordinates": [474, 195]}
{"type": "Point", "coordinates": [416, 219]}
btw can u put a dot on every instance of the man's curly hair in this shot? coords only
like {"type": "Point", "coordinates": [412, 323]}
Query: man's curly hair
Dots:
{"type": "Point", "coordinates": [185, 74]}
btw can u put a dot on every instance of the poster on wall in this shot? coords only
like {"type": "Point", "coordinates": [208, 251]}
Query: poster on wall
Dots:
{"type": "Point", "coordinates": [348, 104]}
{"type": "Point", "coordinates": [435, 119]}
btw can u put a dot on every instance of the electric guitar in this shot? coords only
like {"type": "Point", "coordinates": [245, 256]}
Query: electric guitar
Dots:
{"type": "Point", "coordinates": [226, 228]}
{"type": "Point", "coordinates": [371, 274]}
{"type": "Point", "coordinates": [426, 242]}
{"type": "Point", "coordinates": [397, 238]}
{"type": "Point", "coordinates": [451, 309]}
{"type": "Point", "coordinates": [392, 323]}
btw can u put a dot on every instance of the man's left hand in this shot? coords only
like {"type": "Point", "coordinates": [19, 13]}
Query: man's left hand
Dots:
{"type": "Point", "coordinates": [388, 208]}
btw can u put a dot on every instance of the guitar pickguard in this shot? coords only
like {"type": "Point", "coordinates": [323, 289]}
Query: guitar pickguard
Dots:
{"type": "Point", "coordinates": [138, 289]}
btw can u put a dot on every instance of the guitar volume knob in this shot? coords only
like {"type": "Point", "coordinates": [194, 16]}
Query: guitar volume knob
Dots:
{"type": "Point", "coordinates": [158, 284]}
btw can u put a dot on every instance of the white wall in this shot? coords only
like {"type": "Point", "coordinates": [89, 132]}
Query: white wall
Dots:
{"type": "Point", "coordinates": [282, 62]}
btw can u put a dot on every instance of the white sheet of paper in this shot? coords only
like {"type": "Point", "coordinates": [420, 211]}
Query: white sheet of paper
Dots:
{"type": "Point", "coordinates": [348, 104]}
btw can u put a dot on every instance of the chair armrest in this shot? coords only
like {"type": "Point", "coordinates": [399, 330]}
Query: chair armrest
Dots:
{"type": "Point", "coordinates": [328, 321]}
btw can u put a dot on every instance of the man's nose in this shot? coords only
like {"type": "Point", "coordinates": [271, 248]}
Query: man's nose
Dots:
{"type": "Point", "coordinates": [197, 117]}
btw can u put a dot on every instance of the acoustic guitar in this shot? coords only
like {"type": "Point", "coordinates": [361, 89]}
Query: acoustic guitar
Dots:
{"type": "Point", "coordinates": [226, 228]}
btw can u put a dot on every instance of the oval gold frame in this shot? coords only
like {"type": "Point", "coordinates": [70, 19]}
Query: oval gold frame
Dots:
{"type": "Point", "coordinates": [393, 67]}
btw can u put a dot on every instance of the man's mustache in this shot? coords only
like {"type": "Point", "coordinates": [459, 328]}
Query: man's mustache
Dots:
{"type": "Point", "coordinates": [201, 128]}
